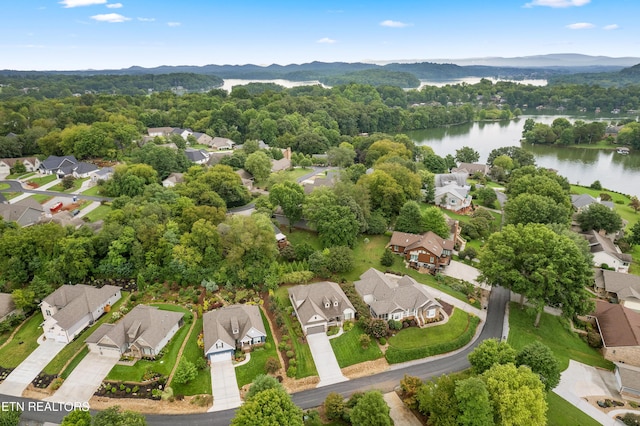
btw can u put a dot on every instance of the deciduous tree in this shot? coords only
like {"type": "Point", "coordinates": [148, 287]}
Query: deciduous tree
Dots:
{"type": "Point", "coordinates": [542, 361]}
{"type": "Point", "coordinates": [598, 216]}
{"type": "Point", "coordinates": [489, 352]}
{"type": "Point", "coordinates": [271, 407]}
{"type": "Point", "coordinates": [466, 154]}
{"type": "Point", "coordinates": [473, 403]}
{"type": "Point", "coordinates": [370, 410]}
{"type": "Point", "coordinates": [410, 219]}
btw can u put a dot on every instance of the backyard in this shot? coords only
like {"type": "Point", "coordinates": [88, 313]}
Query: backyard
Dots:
{"type": "Point", "coordinates": [348, 350]}
{"type": "Point", "coordinates": [256, 366]}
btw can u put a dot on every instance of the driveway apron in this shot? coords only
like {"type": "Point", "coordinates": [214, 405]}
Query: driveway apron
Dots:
{"type": "Point", "coordinates": [22, 375]}
{"type": "Point", "coordinates": [224, 385]}
{"type": "Point", "coordinates": [325, 360]}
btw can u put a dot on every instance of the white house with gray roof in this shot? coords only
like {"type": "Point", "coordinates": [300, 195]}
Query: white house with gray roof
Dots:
{"type": "Point", "coordinates": [452, 191]}
{"type": "Point", "coordinates": [320, 305]}
{"type": "Point", "coordinates": [581, 202]}
{"type": "Point", "coordinates": [142, 333]}
{"type": "Point", "coordinates": [71, 308]}
{"type": "Point", "coordinates": [230, 328]}
{"type": "Point", "coordinates": [393, 297]}
{"type": "Point", "coordinates": [605, 252]}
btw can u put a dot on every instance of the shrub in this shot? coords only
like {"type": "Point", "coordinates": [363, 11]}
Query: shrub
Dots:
{"type": "Point", "coordinates": [291, 354]}
{"type": "Point", "coordinates": [364, 341]}
{"type": "Point", "coordinates": [382, 341]}
{"type": "Point", "coordinates": [128, 390]}
{"type": "Point", "coordinates": [56, 383]}
{"type": "Point", "coordinates": [201, 363]}
{"type": "Point", "coordinates": [410, 386]}
{"type": "Point", "coordinates": [202, 400]}
{"type": "Point", "coordinates": [167, 395]}
{"type": "Point", "coordinates": [395, 325]}
{"type": "Point", "coordinates": [185, 372]}
{"type": "Point", "coordinates": [387, 258]}
{"type": "Point", "coordinates": [272, 365]}
{"type": "Point", "coordinates": [377, 328]}
{"type": "Point", "coordinates": [334, 406]}
{"type": "Point", "coordinates": [292, 371]}
{"type": "Point", "coordinates": [596, 185]}
{"type": "Point", "coordinates": [593, 339]}
{"type": "Point", "coordinates": [135, 389]}
{"type": "Point", "coordinates": [122, 386]}
{"type": "Point", "coordinates": [348, 325]}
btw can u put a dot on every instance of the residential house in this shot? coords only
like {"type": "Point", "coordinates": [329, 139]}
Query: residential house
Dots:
{"type": "Point", "coordinates": [30, 163]}
{"type": "Point", "coordinates": [321, 305]}
{"type": "Point", "coordinates": [230, 328]}
{"type": "Point", "coordinates": [71, 308]}
{"type": "Point", "coordinates": [612, 131]}
{"type": "Point", "coordinates": [221, 144]}
{"type": "Point", "coordinates": [202, 138]}
{"type": "Point", "coordinates": [394, 297]}
{"type": "Point", "coordinates": [24, 212]}
{"type": "Point", "coordinates": [198, 156]}
{"type": "Point", "coordinates": [7, 307]}
{"type": "Point", "coordinates": [83, 170]}
{"type": "Point", "coordinates": [173, 179]}
{"type": "Point", "coordinates": [54, 164]}
{"type": "Point", "coordinates": [583, 201]}
{"type": "Point", "coordinates": [141, 333]}
{"type": "Point", "coordinates": [628, 380]}
{"type": "Point", "coordinates": [216, 156]}
{"type": "Point", "coordinates": [284, 163]}
{"type": "Point", "coordinates": [605, 252]}
{"type": "Point", "coordinates": [183, 133]}
{"type": "Point", "coordinates": [103, 174]}
{"type": "Point", "coordinates": [623, 288]}
{"type": "Point", "coordinates": [452, 192]}
{"type": "Point", "coordinates": [160, 131]}
{"type": "Point", "coordinates": [620, 331]}
{"type": "Point", "coordinates": [471, 169]}
{"type": "Point", "coordinates": [321, 180]}
{"type": "Point", "coordinates": [426, 252]}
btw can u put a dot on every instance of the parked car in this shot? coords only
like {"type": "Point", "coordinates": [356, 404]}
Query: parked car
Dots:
{"type": "Point", "coordinates": [75, 212]}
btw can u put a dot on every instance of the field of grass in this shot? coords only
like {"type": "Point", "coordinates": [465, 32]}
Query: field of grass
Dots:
{"type": "Point", "coordinates": [163, 365]}
{"type": "Point", "coordinates": [99, 213]}
{"type": "Point", "coordinates": [93, 191]}
{"type": "Point", "coordinates": [4, 186]}
{"type": "Point", "coordinates": [348, 350]}
{"type": "Point", "coordinates": [41, 198]}
{"type": "Point", "coordinates": [23, 343]}
{"type": "Point", "coordinates": [43, 180]}
{"type": "Point", "coordinates": [74, 363]}
{"type": "Point", "coordinates": [57, 364]}
{"type": "Point", "coordinates": [21, 175]}
{"type": "Point", "coordinates": [553, 332]}
{"type": "Point", "coordinates": [76, 185]}
{"type": "Point", "coordinates": [247, 373]}
{"type": "Point", "coordinates": [202, 383]}
{"type": "Point", "coordinates": [562, 413]}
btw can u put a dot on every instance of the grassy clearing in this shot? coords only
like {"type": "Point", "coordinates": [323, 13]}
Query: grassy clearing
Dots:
{"type": "Point", "coordinates": [21, 176]}
{"type": "Point", "coordinates": [299, 236]}
{"type": "Point", "coordinates": [41, 198]}
{"type": "Point", "coordinates": [57, 364]}
{"type": "Point", "coordinates": [76, 185]}
{"type": "Point", "coordinates": [43, 180]}
{"type": "Point", "coordinates": [74, 363]}
{"type": "Point", "coordinates": [348, 350]}
{"type": "Point", "coordinates": [4, 186]}
{"type": "Point", "coordinates": [100, 213]}
{"type": "Point", "coordinates": [553, 332]}
{"type": "Point", "coordinates": [163, 365]}
{"type": "Point", "coordinates": [562, 413]}
{"type": "Point", "coordinates": [93, 191]}
{"type": "Point", "coordinates": [23, 343]}
{"type": "Point", "coordinates": [247, 373]}
{"type": "Point", "coordinates": [202, 383]}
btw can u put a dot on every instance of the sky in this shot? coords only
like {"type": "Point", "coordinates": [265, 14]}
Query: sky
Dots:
{"type": "Point", "coordinates": [113, 34]}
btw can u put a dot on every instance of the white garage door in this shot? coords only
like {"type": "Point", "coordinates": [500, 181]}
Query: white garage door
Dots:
{"type": "Point", "coordinates": [224, 356]}
{"type": "Point", "coordinates": [316, 329]}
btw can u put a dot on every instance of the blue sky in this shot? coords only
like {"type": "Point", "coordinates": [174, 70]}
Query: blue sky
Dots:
{"type": "Point", "coordinates": [99, 34]}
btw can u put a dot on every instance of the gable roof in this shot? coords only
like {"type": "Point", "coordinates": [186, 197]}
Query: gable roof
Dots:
{"type": "Point", "coordinates": [11, 162]}
{"type": "Point", "coordinates": [53, 162]}
{"type": "Point", "coordinates": [82, 168]}
{"type": "Point", "coordinates": [196, 155]}
{"type": "Point", "coordinates": [599, 243]}
{"type": "Point", "coordinates": [629, 376]}
{"type": "Point", "coordinates": [76, 301]}
{"type": "Point", "coordinates": [619, 326]}
{"type": "Point", "coordinates": [311, 299]}
{"type": "Point", "coordinates": [457, 191]}
{"type": "Point", "coordinates": [429, 240]}
{"type": "Point", "coordinates": [583, 200]}
{"type": "Point", "coordinates": [103, 172]}
{"type": "Point", "coordinates": [219, 324]}
{"type": "Point", "coordinates": [626, 286]}
{"type": "Point", "coordinates": [24, 212]}
{"type": "Point", "coordinates": [471, 168]}
{"type": "Point", "coordinates": [444, 179]}
{"type": "Point", "coordinates": [282, 164]}
{"type": "Point", "coordinates": [162, 130]}
{"type": "Point", "coordinates": [386, 293]}
{"type": "Point", "coordinates": [144, 326]}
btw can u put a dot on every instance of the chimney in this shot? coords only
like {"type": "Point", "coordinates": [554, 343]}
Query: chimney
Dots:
{"type": "Point", "coordinates": [287, 153]}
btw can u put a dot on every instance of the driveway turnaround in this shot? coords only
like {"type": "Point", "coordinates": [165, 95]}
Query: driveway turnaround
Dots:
{"type": "Point", "coordinates": [22, 375]}
{"type": "Point", "coordinates": [325, 360]}
{"type": "Point", "coordinates": [464, 272]}
{"type": "Point", "coordinates": [224, 384]}
{"type": "Point", "coordinates": [85, 379]}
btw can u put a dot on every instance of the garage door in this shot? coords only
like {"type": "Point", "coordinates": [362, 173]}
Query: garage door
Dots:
{"type": "Point", "coordinates": [223, 356]}
{"type": "Point", "coordinates": [316, 329]}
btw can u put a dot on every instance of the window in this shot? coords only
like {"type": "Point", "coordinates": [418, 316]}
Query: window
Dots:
{"type": "Point", "coordinates": [414, 257]}
{"type": "Point", "coordinates": [431, 313]}
{"type": "Point", "coordinates": [48, 313]}
{"type": "Point", "coordinates": [431, 259]}
{"type": "Point", "coordinates": [452, 201]}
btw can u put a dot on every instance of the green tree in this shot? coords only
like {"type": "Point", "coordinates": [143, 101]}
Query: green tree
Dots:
{"type": "Point", "coordinates": [517, 395]}
{"type": "Point", "coordinates": [10, 416]}
{"type": "Point", "coordinates": [434, 221]}
{"type": "Point", "coordinates": [387, 258]}
{"type": "Point", "coordinates": [370, 410]}
{"type": "Point", "coordinates": [24, 299]}
{"type": "Point", "coordinates": [541, 360]}
{"type": "Point", "coordinates": [487, 197]}
{"type": "Point", "coordinates": [474, 403]}
{"type": "Point", "coordinates": [77, 418]}
{"type": "Point", "coordinates": [340, 259]}
{"type": "Point", "coordinates": [533, 208]}
{"type": "Point", "coordinates": [598, 216]}
{"type": "Point", "coordinates": [341, 156]}
{"type": "Point", "coordinates": [259, 165]}
{"type": "Point", "coordinates": [435, 164]}
{"type": "Point", "coordinates": [185, 372]}
{"type": "Point", "coordinates": [634, 238]}
{"type": "Point", "coordinates": [334, 406]}
{"type": "Point", "coordinates": [271, 407]}
{"type": "Point", "coordinates": [541, 265]}
{"type": "Point", "coordinates": [112, 416]}
{"type": "Point", "coordinates": [489, 352]}
{"type": "Point", "coordinates": [67, 181]}
{"type": "Point", "coordinates": [466, 154]}
{"type": "Point", "coordinates": [410, 219]}
{"type": "Point", "coordinates": [261, 383]}
{"type": "Point", "coordinates": [635, 203]}
{"type": "Point", "coordinates": [289, 196]}
{"type": "Point", "coordinates": [437, 400]}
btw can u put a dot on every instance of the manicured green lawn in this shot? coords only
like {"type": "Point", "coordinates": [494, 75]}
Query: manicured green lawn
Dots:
{"type": "Point", "coordinates": [202, 383]}
{"type": "Point", "coordinates": [43, 180]}
{"type": "Point", "coordinates": [41, 198]}
{"type": "Point", "coordinates": [21, 176]}
{"type": "Point", "coordinates": [305, 365]}
{"type": "Point", "coordinates": [348, 350]}
{"type": "Point", "coordinates": [553, 332]}
{"type": "Point", "coordinates": [563, 413]}
{"type": "Point", "coordinates": [601, 144]}
{"type": "Point", "coordinates": [57, 364]}
{"type": "Point", "coordinates": [415, 337]}
{"type": "Point", "coordinates": [256, 366]}
{"type": "Point", "coordinates": [94, 191]}
{"type": "Point", "coordinates": [100, 213]}
{"type": "Point", "coordinates": [165, 364]}
{"type": "Point", "coordinates": [367, 253]}
{"type": "Point", "coordinates": [624, 210]}
{"type": "Point", "coordinates": [74, 363]}
{"type": "Point", "coordinates": [299, 236]}
{"type": "Point", "coordinates": [23, 343]}
{"type": "Point", "coordinates": [10, 195]}
{"type": "Point", "coordinates": [4, 186]}
{"type": "Point", "coordinates": [76, 186]}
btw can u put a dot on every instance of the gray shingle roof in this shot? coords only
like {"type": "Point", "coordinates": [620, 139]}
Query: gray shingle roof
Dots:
{"type": "Point", "coordinates": [82, 168]}
{"type": "Point", "coordinates": [217, 324]}
{"type": "Point", "coordinates": [599, 243]}
{"type": "Point", "coordinates": [76, 301]}
{"type": "Point", "coordinates": [312, 299]}
{"type": "Point", "coordinates": [54, 162]}
{"type": "Point", "coordinates": [629, 376]}
{"type": "Point", "coordinates": [626, 286]}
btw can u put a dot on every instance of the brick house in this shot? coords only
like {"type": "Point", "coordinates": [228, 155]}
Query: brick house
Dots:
{"type": "Point", "coordinates": [426, 252]}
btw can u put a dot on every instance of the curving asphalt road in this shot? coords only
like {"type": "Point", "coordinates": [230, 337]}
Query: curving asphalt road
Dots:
{"type": "Point", "coordinates": [15, 186]}
{"type": "Point", "coordinates": [386, 381]}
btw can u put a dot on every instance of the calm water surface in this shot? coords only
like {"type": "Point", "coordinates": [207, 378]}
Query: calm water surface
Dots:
{"type": "Point", "coordinates": [582, 166]}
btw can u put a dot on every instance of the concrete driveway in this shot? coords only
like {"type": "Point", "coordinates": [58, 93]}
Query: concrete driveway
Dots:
{"type": "Point", "coordinates": [85, 379]}
{"type": "Point", "coordinates": [22, 375]}
{"type": "Point", "coordinates": [224, 385]}
{"type": "Point", "coordinates": [464, 272]}
{"type": "Point", "coordinates": [325, 360]}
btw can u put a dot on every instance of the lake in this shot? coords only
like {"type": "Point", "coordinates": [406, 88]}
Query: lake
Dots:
{"type": "Point", "coordinates": [582, 166]}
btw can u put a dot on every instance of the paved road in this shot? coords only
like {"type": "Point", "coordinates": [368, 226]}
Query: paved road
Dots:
{"type": "Point", "coordinates": [314, 397]}
{"type": "Point", "coordinates": [15, 186]}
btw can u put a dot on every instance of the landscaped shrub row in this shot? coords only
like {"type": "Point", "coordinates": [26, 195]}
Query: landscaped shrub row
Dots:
{"type": "Point", "coordinates": [42, 381]}
{"type": "Point", "coordinates": [395, 355]}
{"type": "Point", "coordinates": [4, 372]}
{"type": "Point", "coordinates": [131, 390]}
{"type": "Point", "coordinates": [362, 310]}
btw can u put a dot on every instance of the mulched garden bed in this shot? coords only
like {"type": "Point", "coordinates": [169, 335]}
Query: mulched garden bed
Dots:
{"type": "Point", "coordinates": [42, 381]}
{"type": "Point", "coordinates": [4, 372]}
{"type": "Point", "coordinates": [447, 308]}
{"type": "Point", "coordinates": [130, 390]}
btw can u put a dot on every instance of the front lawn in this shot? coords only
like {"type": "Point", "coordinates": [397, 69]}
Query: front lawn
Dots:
{"type": "Point", "coordinates": [23, 343]}
{"type": "Point", "coordinates": [69, 351]}
{"type": "Point", "coordinates": [563, 413]}
{"type": "Point", "coordinates": [553, 332]}
{"type": "Point", "coordinates": [247, 373]}
{"type": "Point", "coordinates": [43, 180]}
{"type": "Point", "coordinates": [74, 363]}
{"type": "Point", "coordinates": [348, 350]}
{"type": "Point", "coordinates": [164, 364]}
{"type": "Point", "coordinates": [192, 352]}
{"type": "Point", "coordinates": [76, 185]}
{"type": "Point", "coordinates": [415, 343]}
{"type": "Point", "coordinates": [93, 191]}
{"type": "Point", "coordinates": [99, 213]}
{"type": "Point", "coordinates": [41, 198]}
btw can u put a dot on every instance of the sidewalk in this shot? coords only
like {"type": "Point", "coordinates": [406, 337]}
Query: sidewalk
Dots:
{"type": "Point", "coordinates": [480, 313]}
{"type": "Point", "coordinates": [28, 194]}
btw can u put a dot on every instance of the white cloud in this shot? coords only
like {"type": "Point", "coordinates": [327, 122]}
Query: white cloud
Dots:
{"type": "Point", "coordinates": [611, 27]}
{"type": "Point", "coordinates": [557, 3]}
{"type": "Point", "coordinates": [146, 19]}
{"type": "Point", "coordinates": [174, 24]}
{"type": "Point", "coordinates": [326, 40]}
{"type": "Point", "coordinates": [114, 5]}
{"type": "Point", "coordinates": [77, 3]}
{"type": "Point", "coordinates": [394, 24]}
{"type": "Point", "coordinates": [110, 17]}
{"type": "Point", "coordinates": [580, 26]}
